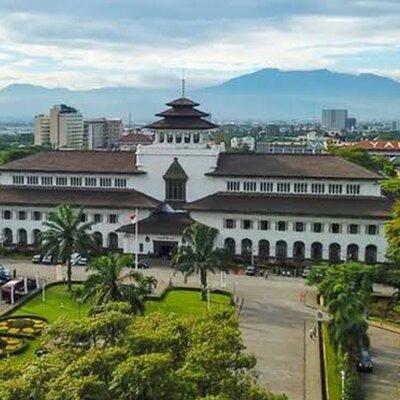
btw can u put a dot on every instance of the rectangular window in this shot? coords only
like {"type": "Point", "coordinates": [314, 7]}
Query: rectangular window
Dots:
{"type": "Point", "coordinates": [36, 215]}
{"type": "Point", "coordinates": [353, 229]}
{"type": "Point", "coordinates": [317, 227]}
{"type": "Point", "coordinates": [140, 247]}
{"type": "Point", "coordinates": [105, 182]}
{"type": "Point", "coordinates": [18, 179]}
{"type": "Point", "coordinates": [318, 188]}
{"type": "Point", "coordinates": [47, 180]}
{"type": "Point", "coordinates": [247, 224]}
{"type": "Point", "coordinates": [76, 181]}
{"type": "Point", "coordinates": [281, 226]}
{"type": "Point", "coordinates": [229, 223]}
{"type": "Point", "coordinates": [97, 218]}
{"type": "Point", "coordinates": [83, 218]}
{"type": "Point", "coordinates": [61, 181]}
{"type": "Point", "coordinates": [335, 188]}
{"type": "Point", "coordinates": [112, 218]}
{"type": "Point", "coordinates": [267, 187]}
{"type": "Point", "coordinates": [22, 215]}
{"type": "Point", "coordinates": [175, 189]}
{"type": "Point", "coordinates": [263, 225]}
{"type": "Point", "coordinates": [32, 180]}
{"type": "Point", "coordinates": [7, 214]}
{"type": "Point", "coordinates": [335, 228]}
{"type": "Point", "coordinates": [120, 182]}
{"type": "Point", "coordinates": [299, 227]}
{"type": "Point", "coordinates": [283, 187]}
{"type": "Point", "coordinates": [300, 187]}
{"type": "Point", "coordinates": [372, 229]}
{"type": "Point", "coordinates": [91, 182]}
{"type": "Point", "coordinates": [353, 189]}
{"type": "Point", "coordinates": [233, 186]}
{"type": "Point", "coordinates": [249, 186]}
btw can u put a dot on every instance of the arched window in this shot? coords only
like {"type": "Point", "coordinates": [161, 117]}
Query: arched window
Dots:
{"type": "Point", "coordinates": [113, 241]}
{"type": "Point", "coordinates": [98, 239]}
{"type": "Point", "coordinates": [230, 246]}
{"type": "Point", "coordinates": [36, 236]}
{"type": "Point", "coordinates": [170, 137]}
{"type": "Point", "coordinates": [187, 137]}
{"type": "Point", "coordinates": [196, 138]}
{"type": "Point", "coordinates": [281, 251]}
{"type": "Point", "coordinates": [316, 251]}
{"type": "Point", "coordinates": [334, 253]}
{"type": "Point", "coordinates": [371, 256]}
{"type": "Point", "coordinates": [352, 252]}
{"type": "Point", "coordinates": [161, 137]}
{"type": "Point", "coordinates": [178, 137]}
{"type": "Point", "coordinates": [247, 247]}
{"type": "Point", "coordinates": [22, 236]}
{"type": "Point", "coordinates": [263, 249]}
{"type": "Point", "coordinates": [299, 251]}
{"type": "Point", "coordinates": [7, 237]}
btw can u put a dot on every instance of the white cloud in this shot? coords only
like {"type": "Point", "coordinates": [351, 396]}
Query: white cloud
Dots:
{"type": "Point", "coordinates": [131, 57]}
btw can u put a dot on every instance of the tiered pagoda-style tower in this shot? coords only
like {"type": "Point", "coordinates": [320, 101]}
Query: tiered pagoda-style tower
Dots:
{"type": "Point", "coordinates": [181, 144]}
{"type": "Point", "coordinates": [182, 124]}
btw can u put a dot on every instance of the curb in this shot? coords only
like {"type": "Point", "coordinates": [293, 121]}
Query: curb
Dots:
{"type": "Point", "coordinates": [384, 326]}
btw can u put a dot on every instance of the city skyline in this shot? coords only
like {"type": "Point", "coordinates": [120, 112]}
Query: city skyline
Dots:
{"type": "Point", "coordinates": [89, 44]}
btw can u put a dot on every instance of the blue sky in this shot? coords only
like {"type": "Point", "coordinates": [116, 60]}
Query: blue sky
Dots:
{"type": "Point", "coordinates": [91, 43]}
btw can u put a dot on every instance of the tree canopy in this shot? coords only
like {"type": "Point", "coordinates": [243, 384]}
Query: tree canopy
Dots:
{"type": "Point", "coordinates": [112, 356]}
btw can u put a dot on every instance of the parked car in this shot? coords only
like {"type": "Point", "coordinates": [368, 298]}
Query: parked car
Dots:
{"type": "Point", "coordinates": [142, 264]}
{"type": "Point", "coordinates": [82, 261]}
{"type": "Point", "coordinates": [251, 270]}
{"type": "Point", "coordinates": [365, 361]}
{"type": "Point", "coordinates": [5, 275]}
{"type": "Point", "coordinates": [75, 257]}
{"type": "Point", "coordinates": [47, 260]}
{"type": "Point", "coordinates": [37, 258]}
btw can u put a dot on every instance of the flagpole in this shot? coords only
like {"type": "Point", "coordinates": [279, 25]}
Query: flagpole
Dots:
{"type": "Point", "coordinates": [136, 239]}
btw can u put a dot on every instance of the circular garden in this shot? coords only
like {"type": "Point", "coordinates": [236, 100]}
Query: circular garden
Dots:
{"type": "Point", "coordinates": [14, 332]}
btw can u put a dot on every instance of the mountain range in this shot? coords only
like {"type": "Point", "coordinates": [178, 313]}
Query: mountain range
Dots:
{"type": "Point", "coordinates": [268, 94]}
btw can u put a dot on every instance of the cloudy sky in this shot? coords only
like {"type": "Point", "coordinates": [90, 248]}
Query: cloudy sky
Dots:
{"type": "Point", "coordinates": [91, 43]}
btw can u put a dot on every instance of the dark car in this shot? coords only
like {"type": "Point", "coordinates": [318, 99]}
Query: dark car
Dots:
{"type": "Point", "coordinates": [364, 363]}
{"type": "Point", "coordinates": [251, 270]}
{"type": "Point", "coordinates": [142, 264]}
{"type": "Point", "coordinates": [83, 261]}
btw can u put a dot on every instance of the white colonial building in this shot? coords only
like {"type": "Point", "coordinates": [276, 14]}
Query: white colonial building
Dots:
{"type": "Point", "coordinates": [276, 207]}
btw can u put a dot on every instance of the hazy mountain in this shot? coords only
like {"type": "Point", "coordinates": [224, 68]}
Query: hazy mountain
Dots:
{"type": "Point", "coordinates": [266, 94]}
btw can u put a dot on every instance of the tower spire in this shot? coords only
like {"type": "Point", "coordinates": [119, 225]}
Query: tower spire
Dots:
{"type": "Point", "coordinates": [183, 83]}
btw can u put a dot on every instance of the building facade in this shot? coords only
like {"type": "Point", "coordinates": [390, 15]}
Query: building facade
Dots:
{"type": "Point", "coordinates": [42, 130]}
{"type": "Point", "coordinates": [277, 208]}
{"type": "Point", "coordinates": [102, 133]}
{"type": "Point", "coordinates": [334, 120]}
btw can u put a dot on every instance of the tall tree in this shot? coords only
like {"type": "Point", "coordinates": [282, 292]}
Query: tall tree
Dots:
{"type": "Point", "coordinates": [104, 283]}
{"type": "Point", "coordinates": [66, 234]}
{"type": "Point", "coordinates": [199, 255]}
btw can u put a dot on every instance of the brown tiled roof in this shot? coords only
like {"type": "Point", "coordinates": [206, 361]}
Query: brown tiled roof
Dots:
{"type": "Point", "coordinates": [136, 138]}
{"type": "Point", "coordinates": [182, 101]}
{"type": "Point", "coordinates": [93, 198]}
{"type": "Point", "coordinates": [317, 206]}
{"type": "Point", "coordinates": [175, 171]}
{"type": "Point", "coordinates": [161, 223]}
{"type": "Point", "coordinates": [188, 112]}
{"type": "Point", "coordinates": [180, 123]}
{"type": "Point", "coordinates": [378, 145]}
{"type": "Point", "coordinates": [289, 166]}
{"type": "Point", "coordinates": [104, 162]}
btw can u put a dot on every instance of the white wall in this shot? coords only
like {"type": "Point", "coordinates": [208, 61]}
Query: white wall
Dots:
{"type": "Point", "coordinates": [344, 239]}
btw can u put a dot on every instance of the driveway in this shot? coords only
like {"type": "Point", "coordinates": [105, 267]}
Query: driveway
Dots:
{"type": "Point", "coordinates": [384, 382]}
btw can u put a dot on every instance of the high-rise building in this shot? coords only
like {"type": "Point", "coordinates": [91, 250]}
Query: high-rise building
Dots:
{"type": "Point", "coordinates": [42, 130]}
{"type": "Point", "coordinates": [102, 133]}
{"type": "Point", "coordinates": [334, 120]}
{"type": "Point", "coordinates": [66, 127]}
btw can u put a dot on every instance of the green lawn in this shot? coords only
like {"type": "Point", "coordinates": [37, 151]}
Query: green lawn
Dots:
{"type": "Point", "coordinates": [331, 367]}
{"type": "Point", "coordinates": [59, 303]}
{"type": "Point", "coordinates": [186, 302]}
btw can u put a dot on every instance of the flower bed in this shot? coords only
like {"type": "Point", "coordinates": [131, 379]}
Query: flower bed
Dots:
{"type": "Point", "coordinates": [11, 345]}
{"type": "Point", "coordinates": [22, 326]}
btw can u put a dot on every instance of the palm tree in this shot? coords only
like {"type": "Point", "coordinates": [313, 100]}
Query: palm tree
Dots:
{"type": "Point", "coordinates": [66, 234]}
{"type": "Point", "coordinates": [104, 283]}
{"type": "Point", "coordinates": [198, 254]}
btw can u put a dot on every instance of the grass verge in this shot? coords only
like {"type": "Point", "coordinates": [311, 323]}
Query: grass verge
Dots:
{"type": "Point", "coordinates": [332, 367]}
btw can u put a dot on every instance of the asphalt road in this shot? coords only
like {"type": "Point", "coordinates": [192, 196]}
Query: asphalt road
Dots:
{"type": "Point", "coordinates": [384, 382]}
